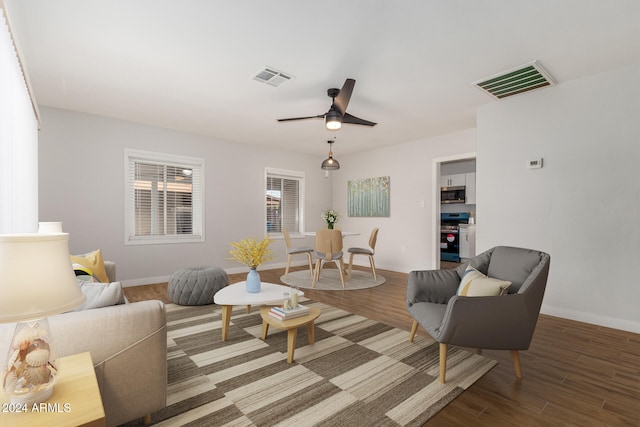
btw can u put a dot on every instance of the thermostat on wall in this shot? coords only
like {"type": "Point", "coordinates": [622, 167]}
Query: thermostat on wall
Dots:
{"type": "Point", "coordinates": [534, 164]}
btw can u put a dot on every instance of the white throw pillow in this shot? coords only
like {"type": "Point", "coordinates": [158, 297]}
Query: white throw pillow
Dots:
{"type": "Point", "coordinates": [476, 284]}
{"type": "Point", "coordinates": [100, 294]}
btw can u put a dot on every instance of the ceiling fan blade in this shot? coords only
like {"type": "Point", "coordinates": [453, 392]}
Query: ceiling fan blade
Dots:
{"type": "Point", "coordinates": [353, 120]}
{"type": "Point", "coordinates": [342, 100]}
{"type": "Point", "coordinates": [320, 116]}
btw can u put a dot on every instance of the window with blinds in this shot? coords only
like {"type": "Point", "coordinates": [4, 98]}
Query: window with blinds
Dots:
{"type": "Point", "coordinates": [165, 198]}
{"type": "Point", "coordinates": [284, 201]}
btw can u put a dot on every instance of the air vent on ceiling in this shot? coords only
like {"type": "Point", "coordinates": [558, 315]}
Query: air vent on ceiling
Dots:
{"type": "Point", "coordinates": [517, 80]}
{"type": "Point", "coordinates": [272, 77]}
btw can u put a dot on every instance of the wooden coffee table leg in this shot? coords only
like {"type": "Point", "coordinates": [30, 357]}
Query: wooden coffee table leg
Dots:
{"type": "Point", "coordinates": [265, 329]}
{"type": "Point", "coordinates": [226, 318]}
{"type": "Point", "coordinates": [248, 308]}
{"type": "Point", "coordinates": [311, 332]}
{"type": "Point", "coordinates": [291, 343]}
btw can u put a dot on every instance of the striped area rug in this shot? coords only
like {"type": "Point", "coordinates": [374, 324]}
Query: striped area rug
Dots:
{"type": "Point", "coordinates": [358, 373]}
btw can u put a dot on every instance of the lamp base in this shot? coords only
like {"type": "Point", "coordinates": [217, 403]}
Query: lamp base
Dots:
{"type": "Point", "coordinates": [34, 397]}
{"type": "Point", "coordinates": [30, 372]}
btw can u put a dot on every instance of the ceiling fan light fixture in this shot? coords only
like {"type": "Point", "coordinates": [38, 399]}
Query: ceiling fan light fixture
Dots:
{"type": "Point", "coordinates": [333, 121]}
{"type": "Point", "coordinates": [337, 114]}
{"type": "Point", "coordinates": [330, 163]}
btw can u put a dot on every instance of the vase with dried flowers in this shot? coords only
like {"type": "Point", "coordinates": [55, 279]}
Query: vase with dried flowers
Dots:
{"type": "Point", "coordinates": [331, 217]}
{"type": "Point", "coordinates": [252, 253]}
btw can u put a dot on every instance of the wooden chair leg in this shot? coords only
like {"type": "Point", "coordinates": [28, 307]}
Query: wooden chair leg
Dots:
{"type": "Point", "coordinates": [316, 274]}
{"type": "Point", "coordinates": [443, 362]}
{"type": "Point", "coordinates": [310, 265]}
{"type": "Point", "coordinates": [146, 420]}
{"type": "Point", "coordinates": [414, 329]}
{"type": "Point", "coordinates": [350, 266]}
{"type": "Point", "coordinates": [286, 270]}
{"type": "Point", "coordinates": [373, 267]}
{"type": "Point", "coordinates": [515, 355]}
{"type": "Point", "coordinates": [340, 265]}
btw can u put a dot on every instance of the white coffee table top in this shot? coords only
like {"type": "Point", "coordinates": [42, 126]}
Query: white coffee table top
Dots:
{"type": "Point", "coordinates": [237, 294]}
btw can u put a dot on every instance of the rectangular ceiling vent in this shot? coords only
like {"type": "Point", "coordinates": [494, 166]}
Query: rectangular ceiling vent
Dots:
{"type": "Point", "coordinates": [517, 80]}
{"type": "Point", "coordinates": [272, 77]}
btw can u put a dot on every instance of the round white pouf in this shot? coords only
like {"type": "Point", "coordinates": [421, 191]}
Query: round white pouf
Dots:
{"type": "Point", "coordinates": [196, 285]}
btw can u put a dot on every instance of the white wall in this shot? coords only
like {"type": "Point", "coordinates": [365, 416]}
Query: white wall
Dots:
{"type": "Point", "coordinates": [583, 206]}
{"type": "Point", "coordinates": [406, 240]}
{"type": "Point", "coordinates": [81, 183]}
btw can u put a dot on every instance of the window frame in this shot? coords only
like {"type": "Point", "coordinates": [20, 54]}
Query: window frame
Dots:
{"type": "Point", "coordinates": [132, 156]}
{"type": "Point", "coordinates": [291, 175]}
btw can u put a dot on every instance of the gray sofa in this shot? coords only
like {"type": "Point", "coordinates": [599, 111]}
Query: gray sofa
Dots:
{"type": "Point", "coordinates": [128, 345]}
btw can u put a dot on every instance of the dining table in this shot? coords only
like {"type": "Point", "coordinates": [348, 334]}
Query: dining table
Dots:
{"type": "Point", "coordinates": [344, 233]}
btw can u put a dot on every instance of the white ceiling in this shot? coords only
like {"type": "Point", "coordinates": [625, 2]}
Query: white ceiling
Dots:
{"type": "Point", "coordinates": [189, 64]}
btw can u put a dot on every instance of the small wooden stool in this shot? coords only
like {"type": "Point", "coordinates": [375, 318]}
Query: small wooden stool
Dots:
{"type": "Point", "coordinates": [291, 326]}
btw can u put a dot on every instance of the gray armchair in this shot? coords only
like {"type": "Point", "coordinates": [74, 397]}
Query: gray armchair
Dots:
{"type": "Point", "coordinates": [505, 322]}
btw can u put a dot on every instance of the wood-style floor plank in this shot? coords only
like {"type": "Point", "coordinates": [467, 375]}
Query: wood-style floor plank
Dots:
{"type": "Point", "coordinates": [574, 374]}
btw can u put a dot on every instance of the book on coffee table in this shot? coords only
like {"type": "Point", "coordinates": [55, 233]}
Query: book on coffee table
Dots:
{"type": "Point", "coordinates": [282, 314]}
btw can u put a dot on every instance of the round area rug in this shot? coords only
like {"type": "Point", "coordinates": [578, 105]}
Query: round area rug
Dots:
{"type": "Point", "coordinates": [330, 280]}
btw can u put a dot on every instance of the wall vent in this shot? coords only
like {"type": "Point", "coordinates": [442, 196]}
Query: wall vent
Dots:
{"type": "Point", "coordinates": [271, 76]}
{"type": "Point", "coordinates": [517, 80]}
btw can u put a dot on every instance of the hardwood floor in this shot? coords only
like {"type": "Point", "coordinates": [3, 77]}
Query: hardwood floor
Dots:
{"type": "Point", "coordinates": [574, 374]}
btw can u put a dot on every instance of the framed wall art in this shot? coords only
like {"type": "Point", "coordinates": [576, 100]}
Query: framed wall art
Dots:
{"type": "Point", "coordinates": [369, 197]}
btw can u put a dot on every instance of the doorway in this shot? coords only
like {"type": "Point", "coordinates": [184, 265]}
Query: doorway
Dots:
{"type": "Point", "coordinates": [447, 166]}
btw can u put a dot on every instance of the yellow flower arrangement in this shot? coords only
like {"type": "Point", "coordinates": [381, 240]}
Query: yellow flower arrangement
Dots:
{"type": "Point", "coordinates": [251, 252]}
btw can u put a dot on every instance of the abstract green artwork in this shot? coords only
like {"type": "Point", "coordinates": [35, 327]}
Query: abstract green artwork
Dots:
{"type": "Point", "coordinates": [369, 196]}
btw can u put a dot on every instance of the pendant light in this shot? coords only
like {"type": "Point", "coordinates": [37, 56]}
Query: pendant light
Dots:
{"type": "Point", "coordinates": [330, 163]}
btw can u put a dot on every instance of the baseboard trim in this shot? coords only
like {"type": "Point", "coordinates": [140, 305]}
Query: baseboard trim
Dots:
{"type": "Point", "coordinates": [144, 281]}
{"type": "Point", "coordinates": [594, 319]}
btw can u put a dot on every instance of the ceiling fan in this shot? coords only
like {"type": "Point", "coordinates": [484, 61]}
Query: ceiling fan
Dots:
{"type": "Point", "coordinates": [337, 114]}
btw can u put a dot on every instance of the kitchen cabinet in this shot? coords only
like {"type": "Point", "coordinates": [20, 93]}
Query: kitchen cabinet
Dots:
{"type": "Point", "coordinates": [470, 190]}
{"type": "Point", "coordinates": [467, 236]}
{"type": "Point", "coordinates": [452, 180]}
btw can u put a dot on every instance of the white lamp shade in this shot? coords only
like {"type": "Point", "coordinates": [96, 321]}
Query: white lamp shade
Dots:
{"type": "Point", "coordinates": [36, 277]}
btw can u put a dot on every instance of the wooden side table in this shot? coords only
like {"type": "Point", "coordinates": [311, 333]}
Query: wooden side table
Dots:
{"type": "Point", "coordinates": [236, 294]}
{"type": "Point", "coordinates": [291, 326]}
{"type": "Point", "coordinates": [75, 401]}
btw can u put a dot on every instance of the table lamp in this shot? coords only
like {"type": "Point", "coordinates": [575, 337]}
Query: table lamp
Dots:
{"type": "Point", "coordinates": [36, 281]}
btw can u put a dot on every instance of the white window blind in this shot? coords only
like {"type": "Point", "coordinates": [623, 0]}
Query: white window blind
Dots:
{"type": "Point", "coordinates": [165, 198]}
{"type": "Point", "coordinates": [18, 140]}
{"type": "Point", "coordinates": [284, 201]}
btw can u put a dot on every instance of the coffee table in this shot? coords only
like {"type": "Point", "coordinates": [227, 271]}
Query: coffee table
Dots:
{"type": "Point", "coordinates": [236, 294]}
{"type": "Point", "coordinates": [291, 326]}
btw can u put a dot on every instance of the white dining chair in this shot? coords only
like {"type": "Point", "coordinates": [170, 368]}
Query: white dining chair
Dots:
{"type": "Point", "coordinates": [292, 250]}
{"type": "Point", "coordinates": [328, 249]}
{"type": "Point", "coordinates": [370, 251]}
